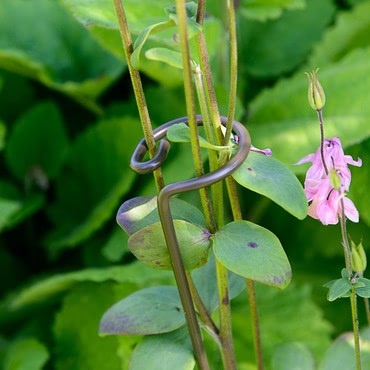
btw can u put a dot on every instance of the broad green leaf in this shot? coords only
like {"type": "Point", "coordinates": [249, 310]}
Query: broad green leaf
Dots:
{"type": "Point", "coordinates": [262, 10]}
{"type": "Point", "coordinates": [341, 354]}
{"type": "Point", "coordinates": [96, 175]}
{"type": "Point", "coordinates": [349, 32]}
{"type": "Point", "coordinates": [25, 354]}
{"type": "Point", "coordinates": [148, 311]}
{"type": "Point", "coordinates": [150, 247]}
{"type": "Point", "coordinates": [171, 57]}
{"type": "Point", "coordinates": [252, 252]}
{"type": "Point", "coordinates": [37, 145]}
{"type": "Point", "coordinates": [205, 280]}
{"type": "Point", "coordinates": [259, 59]}
{"type": "Point", "coordinates": [48, 289]}
{"type": "Point", "coordinates": [116, 246]}
{"type": "Point", "coordinates": [77, 345]}
{"type": "Point", "coordinates": [165, 351]}
{"type": "Point", "coordinates": [363, 291]}
{"type": "Point", "coordinates": [15, 207]}
{"type": "Point", "coordinates": [136, 213]}
{"type": "Point", "coordinates": [281, 118]}
{"type": "Point", "coordinates": [292, 356]}
{"type": "Point", "coordinates": [50, 51]}
{"type": "Point", "coordinates": [141, 39]}
{"type": "Point", "coordinates": [180, 133]}
{"type": "Point", "coordinates": [271, 178]}
{"type": "Point", "coordinates": [338, 289]}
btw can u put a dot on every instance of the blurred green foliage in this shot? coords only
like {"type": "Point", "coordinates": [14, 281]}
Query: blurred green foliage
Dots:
{"type": "Point", "coordinates": [68, 126]}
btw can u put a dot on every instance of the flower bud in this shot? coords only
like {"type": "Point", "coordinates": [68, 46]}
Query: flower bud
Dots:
{"type": "Point", "coordinates": [316, 95]}
{"type": "Point", "coordinates": [359, 260]}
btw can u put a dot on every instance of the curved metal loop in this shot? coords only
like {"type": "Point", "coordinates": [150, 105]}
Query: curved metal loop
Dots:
{"type": "Point", "coordinates": [160, 156]}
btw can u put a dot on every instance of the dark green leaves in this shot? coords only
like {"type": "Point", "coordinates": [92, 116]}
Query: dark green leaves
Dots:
{"type": "Point", "coordinates": [148, 311]}
{"type": "Point", "coordinates": [252, 252]}
{"type": "Point", "coordinates": [269, 177]}
{"type": "Point", "coordinates": [50, 51]}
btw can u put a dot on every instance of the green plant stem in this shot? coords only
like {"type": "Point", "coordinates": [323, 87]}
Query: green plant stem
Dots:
{"type": "Point", "coordinates": [322, 139]}
{"type": "Point", "coordinates": [190, 109]}
{"type": "Point", "coordinates": [138, 89]}
{"type": "Point", "coordinates": [226, 335]}
{"type": "Point", "coordinates": [233, 70]}
{"type": "Point", "coordinates": [367, 308]}
{"type": "Point", "coordinates": [255, 324]}
{"type": "Point", "coordinates": [237, 215]}
{"type": "Point", "coordinates": [356, 334]}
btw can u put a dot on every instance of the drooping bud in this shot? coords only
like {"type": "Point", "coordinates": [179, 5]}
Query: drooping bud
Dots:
{"type": "Point", "coordinates": [359, 260]}
{"type": "Point", "coordinates": [316, 94]}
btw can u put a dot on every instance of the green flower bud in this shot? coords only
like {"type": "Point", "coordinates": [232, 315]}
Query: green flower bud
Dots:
{"type": "Point", "coordinates": [359, 260]}
{"type": "Point", "coordinates": [335, 180]}
{"type": "Point", "coordinates": [316, 95]}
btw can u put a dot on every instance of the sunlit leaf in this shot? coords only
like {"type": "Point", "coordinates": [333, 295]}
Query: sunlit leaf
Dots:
{"type": "Point", "coordinates": [252, 252]}
{"type": "Point", "coordinates": [150, 247]}
{"type": "Point", "coordinates": [269, 177]}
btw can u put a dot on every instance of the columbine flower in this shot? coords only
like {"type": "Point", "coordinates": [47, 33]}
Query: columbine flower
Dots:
{"type": "Point", "coordinates": [335, 159]}
{"type": "Point", "coordinates": [327, 198]}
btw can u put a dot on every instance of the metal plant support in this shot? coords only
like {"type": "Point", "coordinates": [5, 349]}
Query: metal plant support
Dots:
{"type": "Point", "coordinates": [163, 203]}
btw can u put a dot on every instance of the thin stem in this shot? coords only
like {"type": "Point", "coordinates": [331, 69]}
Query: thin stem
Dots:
{"type": "Point", "coordinates": [233, 70]}
{"type": "Point", "coordinates": [322, 140]}
{"type": "Point", "coordinates": [367, 308]}
{"type": "Point", "coordinates": [202, 310]}
{"type": "Point", "coordinates": [190, 109]}
{"type": "Point", "coordinates": [226, 335]}
{"type": "Point", "coordinates": [138, 89]}
{"type": "Point", "coordinates": [356, 334]}
{"type": "Point", "coordinates": [255, 324]}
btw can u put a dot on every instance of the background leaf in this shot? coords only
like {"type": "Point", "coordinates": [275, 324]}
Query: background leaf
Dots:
{"type": "Point", "coordinates": [42, 156]}
{"type": "Point", "coordinates": [292, 356]}
{"type": "Point", "coordinates": [40, 51]}
{"type": "Point", "coordinates": [83, 203]}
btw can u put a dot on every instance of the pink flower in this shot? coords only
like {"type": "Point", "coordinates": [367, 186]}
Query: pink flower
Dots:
{"type": "Point", "coordinates": [327, 201]}
{"type": "Point", "coordinates": [334, 158]}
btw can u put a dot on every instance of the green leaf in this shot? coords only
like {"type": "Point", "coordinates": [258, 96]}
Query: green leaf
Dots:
{"type": "Point", "coordinates": [150, 247]}
{"type": "Point", "coordinates": [180, 133]}
{"type": "Point", "coordinates": [165, 351]}
{"type": "Point", "coordinates": [281, 118]}
{"type": "Point", "coordinates": [49, 289]}
{"type": "Point", "coordinates": [25, 354]}
{"type": "Point", "coordinates": [37, 145]}
{"type": "Point", "coordinates": [269, 177]}
{"type": "Point", "coordinates": [77, 345]}
{"type": "Point", "coordinates": [84, 204]}
{"type": "Point", "coordinates": [363, 291]}
{"type": "Point", "coordinates": [349, 32]}
{"type": "Point", "coordinates": [341, 354]}
{"type": "Point", "coordinates": [136, 213]}
{"type": "Point", "coordinates": [259, 59]}
{"type": "Point", "coordinates": [143, 36]}
{"type": "Point", "coordinates": [262, 11]}
{"type": "Point", "coordinates": [205, 280]}
{"type": "Point", "coordinates": [339, 289]}
{"type": "Point", "coordinates": [252, 252]}
{"type": "Point", "coordinates": [292, 356]}
{"type": "Point", "coordinates": [116, 246]}
{"type": "Point", "coordinates": [148, 311]}
{"type": "Point", "coordinates": [82, 73]}
{"type": "Point", "coordinates": [2, 135]}
{"type": "Point", "coordinates": [168, 56]}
